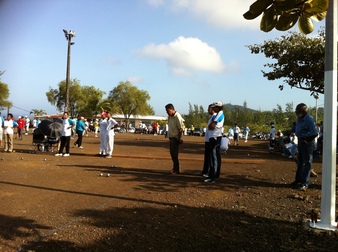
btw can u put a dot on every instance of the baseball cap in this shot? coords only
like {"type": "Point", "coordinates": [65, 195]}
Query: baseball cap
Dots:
{"type": "Point", "coordinates": [216, 104]}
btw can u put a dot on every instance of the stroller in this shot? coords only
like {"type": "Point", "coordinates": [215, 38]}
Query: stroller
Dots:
{"type": "Point", "coordinates": [44, 143]}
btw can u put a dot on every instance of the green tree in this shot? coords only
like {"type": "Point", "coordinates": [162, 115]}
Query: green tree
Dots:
{"type": "Point", "coordinates": [57, 97]}
{"type": "Point", "coordinates": [90, 101]}
{"type": "Point", "coordinates": [38, 112]}
{"type": "Point", "coordinates": [4, 94]}
{"type": "Point", "coordinates": [196, 116]}
{"type": "Point", "coordinates": [300, 60]}
{"type": "Point", "coordinates": [129, 100]}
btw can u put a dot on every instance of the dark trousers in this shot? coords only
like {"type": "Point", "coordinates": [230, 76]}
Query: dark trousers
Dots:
{"type": "Point", "coordinates": [65, 141]}
{"type": "Point", "coordinates": [215, 157]}
{"type": "Point", "coordinates": [174, 149]}
{"type": "Point", "coordinates": [206, 158]}
{"type": "Point", "coordinates": [79, 137]}
{"type": "Point", "coordinates": [304, 162]}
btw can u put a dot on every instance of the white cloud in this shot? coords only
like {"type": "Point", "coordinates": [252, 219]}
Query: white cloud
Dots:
{"type": "Point", "coordinates": [135, 79]}
{"type": "Point", "coordinates": [184, 55]}
{"type": "Point", "coordinates": [227, 14]}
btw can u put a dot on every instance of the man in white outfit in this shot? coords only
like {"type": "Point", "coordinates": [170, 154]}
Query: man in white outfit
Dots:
{"type": "Point", "coordinates": [103, 133]}
{"type": "Point", "coordinates": [111, 124]}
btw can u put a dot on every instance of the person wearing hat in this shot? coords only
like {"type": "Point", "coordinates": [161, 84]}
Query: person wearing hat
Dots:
{"type": "Point", "coordinates": [215, 128]}
{"type": "Point", "coordinates": [306, 132]}
{"type": "Point", "coordinates": [103, 123]}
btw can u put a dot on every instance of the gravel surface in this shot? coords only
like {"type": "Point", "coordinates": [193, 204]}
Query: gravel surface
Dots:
{"type": "Point", "coordinates": [53, 203]}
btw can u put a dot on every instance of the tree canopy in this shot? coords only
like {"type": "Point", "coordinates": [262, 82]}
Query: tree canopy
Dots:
{"type": "Point", "coordinates": [4, 94]}
{"type": "Point", "coordinates": [300, 60]}
{"type": "Point", "coordinates": [129, 100]}
{"type": "Point", "coordinates": [84, 100]}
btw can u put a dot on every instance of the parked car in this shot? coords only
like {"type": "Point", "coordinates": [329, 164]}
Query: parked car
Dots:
{"type": "Point", "coordinates": [198, 132]}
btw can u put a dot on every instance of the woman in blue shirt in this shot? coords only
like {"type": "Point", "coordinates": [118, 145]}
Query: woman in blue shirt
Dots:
{"type": "Point", "coordinates": [80, 127]}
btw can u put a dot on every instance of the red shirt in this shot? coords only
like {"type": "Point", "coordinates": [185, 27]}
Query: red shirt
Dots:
{"type": "Point", "coordinates": [21, 123]}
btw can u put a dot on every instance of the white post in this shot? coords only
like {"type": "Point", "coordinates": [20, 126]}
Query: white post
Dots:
{"type": "Point", "coordinates": [328, 201]}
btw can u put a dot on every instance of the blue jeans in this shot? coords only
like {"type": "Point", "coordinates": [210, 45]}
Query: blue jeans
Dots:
{"type": "Point", "coordinates": [215, 157]}
{"type": "Point", "coordinates": [304, 162]}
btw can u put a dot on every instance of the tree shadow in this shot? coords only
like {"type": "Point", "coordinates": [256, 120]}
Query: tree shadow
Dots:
{"type": "Point", "coordinates": [183, 228]}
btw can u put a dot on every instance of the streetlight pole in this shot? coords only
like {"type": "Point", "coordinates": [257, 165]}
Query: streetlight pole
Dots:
{"type": "Point", "coordinates": [69, 35]}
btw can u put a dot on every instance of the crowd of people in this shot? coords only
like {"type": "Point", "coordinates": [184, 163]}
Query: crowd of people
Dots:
{"type": "Point", "coordinates": [305, 137]}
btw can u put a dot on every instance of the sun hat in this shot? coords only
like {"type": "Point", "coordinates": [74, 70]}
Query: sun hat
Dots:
{"type": "Point", "coordinates": [216, 104]}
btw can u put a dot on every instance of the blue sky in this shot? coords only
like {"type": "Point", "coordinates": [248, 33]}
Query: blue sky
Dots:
{"type": "Point", "coordinates": [179, 51]}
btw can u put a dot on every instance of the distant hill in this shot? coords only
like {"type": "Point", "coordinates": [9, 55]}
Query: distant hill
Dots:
{"type": "Point", "coordinates": [231, 107]}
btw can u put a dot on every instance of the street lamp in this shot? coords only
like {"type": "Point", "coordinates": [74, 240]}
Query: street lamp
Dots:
{"type": "Point", "coordinates": [69, 35]}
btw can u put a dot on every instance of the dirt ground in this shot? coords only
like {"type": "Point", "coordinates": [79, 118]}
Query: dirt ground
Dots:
{"type": "Point", "coordinates": [53, 203]}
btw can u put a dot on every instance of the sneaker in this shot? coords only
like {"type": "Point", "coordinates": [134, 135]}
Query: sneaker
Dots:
{"type": "Point", "coordinates": [75, 144]}
{"type": "Point", "coordinates": [203, 174]}
{"type": "Point", "coordinates": [209, 180]}
{"type": "Point", "coordinates": [290, 156]}
{"type": "Point", "coordinates": [80, 147]}
{"type": "Point", "coordinates": [303, 188]}
{"type": "Point", "coordinates": [58, 154]}
{"type": "Point", "coordinates": [66, 155]}
{"type": "Point", "coordinates": [108, 156]}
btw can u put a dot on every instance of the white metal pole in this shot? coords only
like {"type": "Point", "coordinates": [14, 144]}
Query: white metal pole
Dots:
{"type": "Point", "coordinates": [328, 200]}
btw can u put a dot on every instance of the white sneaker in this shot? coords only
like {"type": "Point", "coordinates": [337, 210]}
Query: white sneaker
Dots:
{"type": "Point", "coordinates": [66, 155]}
{"type": "Point", "coordinates": [58, 154]}
{"type": "Point", "coordinates": [80, 147]}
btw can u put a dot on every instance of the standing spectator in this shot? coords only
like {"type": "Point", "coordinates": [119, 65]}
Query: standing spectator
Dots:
{"type": "Point", "coordinates": [155, 128]}
{"type": "Point", "coordinates": [9, 125]}
{"type": "Point", "coordinates": [175, 129]}
{"type": "Point", "coordinates": [272, 136]}
{"type": "Point", "coordinates": [215, 138]}
{"type": "Point", "coordinates": [21, 126]}
{"type": "Point", "coordinates": [103, 133]}
{"type": "Point", "coordinates": [192, 128]}
{"type": "Point", "coordinates": [246, 131]}
{"type": "Point", "coordinates": [27, 123]}
{"type": "Point", "coordinates": [80, 128]}
{"type": "Point", "coordinates": [237, 130]}
{"type": "Point", "coordinates": [111, 125]}
{"type": "Point", "coordinates": [206, 164]}
{"type": "Point", "coordinates": [306, 131]}
{"type": "Point", "coordinates": [96, 126]}
{"type": "Point", "coordinates": [230, 134]}
{"type": "Point", "coordinates": [2, 121]}
{"type": "Point", "coordinates": [166, 130]}
{"type": "Point", "coordinates": [67, 125]}
{"type": "Point", "coordinates": [86, 129]}
{"type": "Point", "coordinates": [34, 124]}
